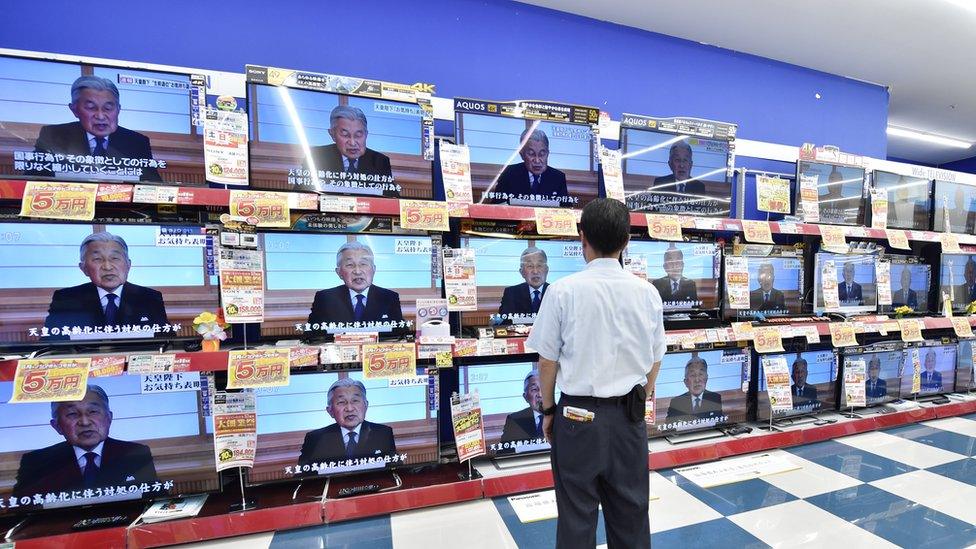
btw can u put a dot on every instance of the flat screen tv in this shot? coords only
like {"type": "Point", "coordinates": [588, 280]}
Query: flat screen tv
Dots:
{"type": "Point", "coordinates": [131, 437]}
{"type": "Point", "coordinates": [529, 153]}
{"type": "Point", "coordinates": [840, 191]}
{"type": "Point", "coordinates": [955, 207]}
{"type": "Point", "coordinates": [909, 199]}
{"type": "Point", "coordinates": [857, 288]}
{"type": "Point", "coordinates": [813, 376]}
{"type": "Point", "coordinates": [96, 283]}
{"type": "Point", "coordinates": [910, 283]}
{"type": "Point", "coordinates": [957, 280]}
{"type": "Point", "coordinates": [677, 165]}
{"type": "Point", "coordinates": [686, 274]}
{"type": "Point", "coordinates": [338, 134]}
{"type": "Point", "coordinates": [304, 428]}
{"type": "Point", "coordinates": [701, 389]}
{"type": "Point", "coordinates": [883, 370]}
{"type": "Point", "coordinates": [776, 285]}
{"type": "Point", "coordinates": [965, 378]}
{"type": "Point", "coordinates": [937, 368]}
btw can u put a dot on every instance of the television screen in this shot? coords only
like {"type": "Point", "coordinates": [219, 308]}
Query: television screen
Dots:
{"type": "Point", "coordinates": [338, 134]}
{"type": "Point", "coordinates": [909, 200]}
{"type": "Point", "coordinates": [909, 285]}
{"type": "Point", "coordinates": [332, 423]}
{"type": "Point", "coordinates": [775, 286]}
{"type": "Point", "coordinates": [840, 191]}
{"type": "Point", "coordinates": [677, 166]}
{"type": "Point", "coordinates": [321, 284]}
{"type": "Point", "coordinates": [529, 153]}
{"type": "Point", "coordinates": [700, 389]}
{"type": "Point", "coordinates": [958, 202]}
{"type": "Point", "coordinates": [84, 121]}
{"type": "Point", "coordinates": [957, 279]}
{"type": "Point", "coordinates": [686, 274]}
{"type": "Point", "coordinates": [965, 378]}
{"type": "Point", "coordinates": [814, 383]}
{"type": "Point", "coordinates": [937, 366]}
{"type": "Point", "coordinates": [511, 404]}
{"type": "Point", "coordinates": [106, 447]}
{"type": "Point", "coordinates": [513, 276]}
{"type": "Point", "coordinates": [883, 369]}
{"type": "Point", "coordinates": [96, 283]}
{"type": "Point", "coordinates": [857, 289]}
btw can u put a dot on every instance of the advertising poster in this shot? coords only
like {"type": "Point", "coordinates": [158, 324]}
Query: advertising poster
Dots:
{"type": "Point", "coordinates": [469, 429]}
{"type": "Point", "coordinates": [828, 278]}
{"type": "Point", "coordinates": [854, 377]}
{"type": "Point", "coordinates": [809, 198]}
{"type": "Point", "coordinates": [611, 162]}
{"type": "Point", "coordinates": [459, 279]}
{"type": "Point", "coordinates": [225, 146]}
{"type": "Point", "coordinates": [456, 173]}
{"type": "Point", "coordinates": [772, 194]}
{"type": "Point", "coordinates": [778, 383]}
{"type": "Point", "coordinates": [737, 281]}
{"type": "Point", "coordinates": [879, 208]}
{"type": "Point", "coordinates": [241, 285]}
{"type": "Point", "coordinates": [916, 372]}
{"type": "Point", "coordinates": [235, 429]}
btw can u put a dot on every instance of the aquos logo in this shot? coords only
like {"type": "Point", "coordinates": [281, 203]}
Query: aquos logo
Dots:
{"type": "Point", "coordinates": [472, 105]}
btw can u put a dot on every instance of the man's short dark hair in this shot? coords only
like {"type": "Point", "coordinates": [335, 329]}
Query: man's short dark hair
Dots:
{"type": "Point", "coordinates": [606, 224]}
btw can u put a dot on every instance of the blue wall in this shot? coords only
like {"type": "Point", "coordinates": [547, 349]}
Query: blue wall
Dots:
{"type": "Point", "coordinates": [491, 49]}
{"type": "Point", "coordinates": [965, 165]}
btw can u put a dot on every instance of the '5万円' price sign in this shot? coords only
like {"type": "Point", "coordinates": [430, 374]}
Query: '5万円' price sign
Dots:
{"type": "Point", "coordinates": [555, 222]}
{"type": "Point", "coordinates": [424, 215]}
{"type": "Point", "coordinates": [664, 227]}
{"type": "Point", "coordinates": [51, 200]}
{"type": "Point", "coordinates": [767, 339]}
{"type": "Point", "coordinates": [389, 360]}
{"type": "Point", "coordinates": [258, 368]}
{"type": "Point", "coordinates": [269, 208]}
{"type": "Point", "coordinates": [51, 380]}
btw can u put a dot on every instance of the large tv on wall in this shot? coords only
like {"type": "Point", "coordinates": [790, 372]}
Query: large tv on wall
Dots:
{"type": "Point", "coordinates": [339, 134]}
{"type": "Point", "coordinates": [955, 207]}
{"type": "Point", "coordinates": [840, 192]}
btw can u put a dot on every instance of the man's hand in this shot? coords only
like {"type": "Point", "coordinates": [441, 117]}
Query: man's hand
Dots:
{"type": "Point", "coordinates": [547, 424]}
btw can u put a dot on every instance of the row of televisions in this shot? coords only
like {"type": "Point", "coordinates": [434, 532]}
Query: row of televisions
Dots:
{"type": "Point", "coordinates": [322, 133]}
{"type": "Point", "coordinates": [300, 427]}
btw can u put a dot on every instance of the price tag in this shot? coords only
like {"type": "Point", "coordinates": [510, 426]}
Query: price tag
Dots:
{"type": "Point", "coordinates": [834, 238]}
{"type": "Point", "coordinates": [916, 372]}
{"type": "Point", "coordinates": [114, 193]}
{"type": "Point", "coordinates": [854, 389]}
{"type": "Point", "coordinates": [898, 239]}
{"type": "Point", "coordinates": [664, 227]}
{"type": "Point", "coordinates": [51, 380]}
{"type": "Point", "coordinates": [961, 326]}
{"type": "Point", "coordinates": [883, 280]}
{"type": "Point", "coordinates": [444, 359]}
{"type": "Point", "coordinates": [258, 368]}
{"type": "Point", "coordinates": [151, 194]}
{"type": "Point", "coordinates": [389, 360]}
{"type": "Point", "coordinates": [107, 365]}
{"type": "Point", "coordinates": [269, 208]}
{"type": "Point", "coordinates": [767, 339]}
{"type": "Point", "coordinates": [424, 215]}
{"type": "Point", "coordinates": [879, 208]}
{"type": "Point", "coordinates": [456, 172]}
{"type": "Point", "coordinates": [810, 332]}
{"type": "Point", "coordinates": [772, 194]}
{"type": "Point", "coordinates": [611, 161]}
{"type": "Point", "coordinates": [757, 231]}
{"type": "Point", "coordinates": [842, 334]}
{"type": "Point", "coordinates": [338, 204]}
{"type": "Point", "coordinates": [950, 243]}
{"type": "Point", "coordinates": [555, 222]}
{"type": "Point", "coordinates": [742, 331]}
{"type": "Point", "coordinates": [50, 200]}
{"type": "Point", "coordinates": [911, 329]}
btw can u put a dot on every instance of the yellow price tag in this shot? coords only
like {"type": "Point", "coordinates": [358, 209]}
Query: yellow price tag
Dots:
{"type": "Point", "coordinates": [950, 243]}
{"type": "Point", "coordinates": [757, 231]}
{"type": "Point", "coordinates": [52, 200]}
{"type": "Point", "coordinates": [834, 238]}
{"type": "Point", "coordinates": [898, 239]}
{"type": "Point", "coordinates": [555, 222]}
{"type": "Point", "coordinates": [424, 215]}
{"type": "Point", "coordinates": [742, 331]}
{"type": "Point", "coordinates": [911, 329]}
{"type": "Point", "coordinates": [772, 194]}
{"type": "Point", "coordinates": [389, 360]}
{"type": "Point", "coordinates": [842, 334]}
{"type": "Point", "coordinates": [258, 368]}
{"type": "Point", "coordinates": [269, 208]}
{"type": "Point", "coordinates": [961, 326]}
{"type": "Point", "coordinates": [51, 380]}
{"type": "Point", "coordinates": [767, 339]}
{"type": "Point", "coordinates": [444, 359]}
{"type": "Point", "coordinates": [664, 227]}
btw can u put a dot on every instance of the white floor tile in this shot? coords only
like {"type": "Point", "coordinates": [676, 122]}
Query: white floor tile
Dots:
{"type": "Point", "coordinates": [901, 450]}
{"type": "Point", "coordinates": [674, 507]}
{"type": "Point", "coordinates": [801, 524]}
{"type": "Point", "coordinates": [959, 425]}
{"type": "Point", "coordinates": [935, 491]}
{"type": "Point", "coordinates": [810, 480]}
{"type": "Point", "coordinates": [255, 541]}
{"type": "Point", "coordinates": [477, 523]}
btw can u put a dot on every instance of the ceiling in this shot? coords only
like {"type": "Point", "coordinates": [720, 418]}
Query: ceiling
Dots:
{"type": "Point", "coordinates": [923, 50]}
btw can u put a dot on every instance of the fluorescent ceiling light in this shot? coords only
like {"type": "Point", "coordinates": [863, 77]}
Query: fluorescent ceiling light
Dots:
{"type": "Point", "coordinates": [928, 137]}
{"type": "Point", "coordinates": [964, 4]}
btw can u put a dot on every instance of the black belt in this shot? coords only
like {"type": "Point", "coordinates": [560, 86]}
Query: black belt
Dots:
{"type": "Point", "coordinates": [604, 401]}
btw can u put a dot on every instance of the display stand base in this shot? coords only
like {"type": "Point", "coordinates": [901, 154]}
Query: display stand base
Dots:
{"type": "Point", "coordinates": [694, 437]}
{"type": "Point", "coordinates": [241, 506]}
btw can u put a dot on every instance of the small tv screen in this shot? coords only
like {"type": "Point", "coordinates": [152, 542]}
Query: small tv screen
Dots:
{"type": "Point", "coordinates": [545, 160]}
{"type": "Point", "coordinates": [84, 121]}
{"type": "Point", "coordinates": [320, 284]}
{"type": "Point", "coordinates": [336, 134]}
{"type": "Point", "coordinates": [514, 275]}
{"type": "Point", "coordinates": [965, 378]}
{"type": "Point", "coordinates": [909, 200]}
{"type": "Point", "coordinates": [107, 447]}
{"type": "Point", "coordinates": [511, 405]}
{"type": "Point", "coordinates": [334, 423]}
{"type": "Point", "coordinates": [814, 383]}
{"type": "Point", "coordinates": [840, 191]}
{"type": "Point", "coordinates": [675, 173]}
{"type": "Point", "coordinates": [957, 280]}
{"type": "Point", "coordinates": [776, 286]}
{"type": "Point", "coordinates": [686, 274]}
{"type": "Point", "coordinates": [701, 389]}
{"type": "Point", "coordinates": [909, 285]}
{"type": "Point", "coordinates": [937, 367]}
{"type": "Point", "coordinates": [883, 368]}
{"type": "Point", "coordinates": [955, 207]}
{"type": "Point", "coordinates": [857, 288]}
{"type": "Point", "coordinates": [94, 283]}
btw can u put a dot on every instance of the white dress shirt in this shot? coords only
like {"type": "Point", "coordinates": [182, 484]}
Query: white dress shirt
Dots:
{"type": "Point", "coordinates": [80, 455]}
{"type": "Point", "coordinates": [604, 327]}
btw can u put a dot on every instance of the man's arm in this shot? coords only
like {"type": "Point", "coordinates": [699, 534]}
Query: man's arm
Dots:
{"type": "Point", "coordinates": [547, 381]}
{"type": "Point", "coordinates": [652, 379]}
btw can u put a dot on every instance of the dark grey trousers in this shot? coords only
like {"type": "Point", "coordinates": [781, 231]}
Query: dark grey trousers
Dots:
{"type": "Point", "coordinates": [602, 462]}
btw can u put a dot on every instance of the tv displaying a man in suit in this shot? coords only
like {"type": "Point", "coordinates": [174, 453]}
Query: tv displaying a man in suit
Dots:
{"type": "Point", "coordinates": [522, 301]}
{"type": "Point", "coordinates": [526, 424]}
{"type": "Point", "coordinates": [697, 390]}
{"type": "Point", "coordinates": [938, 369]}
{"type": "Point", "coordinates": [685, 273]}
{"type": "Point", "coordinates": [532, 181]}
{"type": "Point", "coordinates": [813, 378]}
{"type": "Point", "coordinates": [766, 298]}
{"type": "Point", "coordinates": [882, 368]}
{"type": "Point", "coordinates": [677, 291]}
{"type": "Point", "coordinates": [912, 286]}
{"type": "Point", "coordinates": [857, 287]}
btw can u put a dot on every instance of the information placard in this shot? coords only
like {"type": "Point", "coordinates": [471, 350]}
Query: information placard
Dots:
{"type": "Point", "coordinates": [778, 382]}
{"type": "Point", "coordinates": [235, 422]}
{"type": "Point", "coordinates": [768, 339]}
{"type": "Point", "coordinates": [469, 429]}
{"type": "Point", "coordinates": [53, 200]}
{"type": "Point", "coordinates": [389, 360]}
{"type": "Point", "coordinates": [854, 376]}
{"type": "Point", "coordinates": [270, 209]}
{"type": "Point", "coordinates": [554, 222]}
{"type": "Point", "coordinates": [456, 172]}
{"type": "Point", "coordinates": [773, 194]}
{"type": "Point", "coordinates": [843, 334]}
{"type": "Point", "coordinates": [664, 227]}
{"type": "Point", "coordinates": [50, 380]}
{"type": "Point", "coordinates": [757, 231]}
{"type": "Point", "coordinates": [459, 279]}
{"type": "Point", "coordinates": [911, 329]}
{"type": "Point", "coordinates": [424, 215]}
{"type": "Point", "coordinates": [258, 368]}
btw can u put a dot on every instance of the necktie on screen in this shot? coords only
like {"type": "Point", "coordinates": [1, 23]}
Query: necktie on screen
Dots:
{"type": "Point", "coordinates": [674, 287]}
{"type": "Point", "coordinates": [360, 307]}
{"type": "Point", "coordinates": [90, 470]}
{"type": "Point", "coordinates": [111, 310]}
{"type": "Point", "coordinates": [536, 301]}
{"type": "Point", "coordinates": [99, 149]}
{"type": "Point", "coordinates": [681, 187]}
{"type": "Point", "coordinates": [765, 298]}
{"type": "Point", "coordinates": [351, 446]}
{"type": "Point", "coordinates": [535, 183]}
{"type": "Point", "coordinates": [353, 165]}
{"type": "Point", "coordinates": [697, 404]}
{"type": "Point", "coordinates": [538, 427]}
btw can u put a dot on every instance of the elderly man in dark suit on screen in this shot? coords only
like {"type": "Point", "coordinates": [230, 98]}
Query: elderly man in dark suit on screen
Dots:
{"type": "Point", "coordinates": [348, 153]}
{"type": "Point", "coordinates": [533, 176]}
{"type": "Point", "coordinates": [905, 295]}
{"type": "Point", "coordinates": [679, 180]}
{"type": "Point", "coordinates": [526, 424]}
{"type": "Point", "coordinates": [848, 291]}
{"type": "Point", "coordinates": [802, 393]}
{"type": "Point", "coordinates": [765, 297]}
{"type": "Point", "coordinates": [674, 287]}
{"type": "Point", "coordinates": [697, 402]}
{"type": "Point", "coordinates": [875, 388]}
{"type": "Point", "coordinates": [357, 299]}
{"type": "Point", "coordinates": [526, 298]}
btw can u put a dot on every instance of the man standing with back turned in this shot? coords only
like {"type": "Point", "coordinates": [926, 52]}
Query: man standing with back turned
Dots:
{"type": "Point", "coordinates": [600, 337]}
